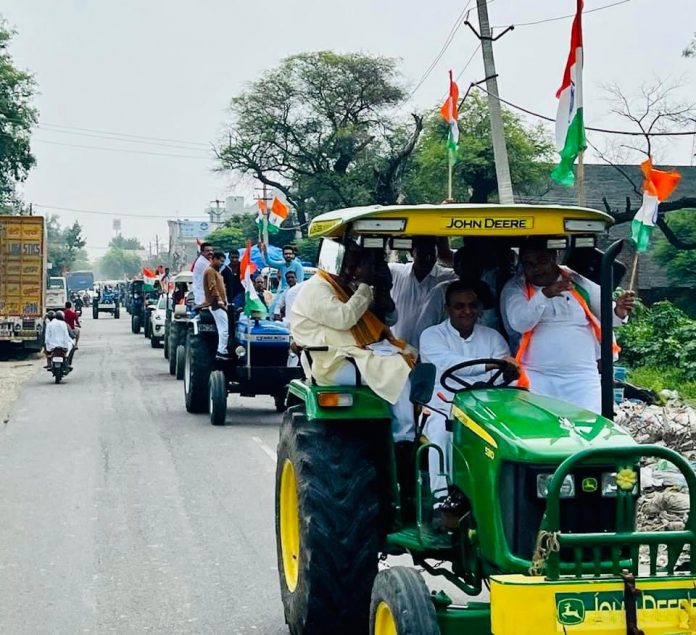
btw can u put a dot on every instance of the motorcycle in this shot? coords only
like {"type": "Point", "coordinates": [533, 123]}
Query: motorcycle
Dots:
{"type": "Point", "coordinates": [58, 365]}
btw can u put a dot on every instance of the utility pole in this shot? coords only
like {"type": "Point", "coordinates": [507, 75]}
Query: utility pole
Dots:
{"type": "Point", "coordinates": [502, 165]}
{"type": "Point", "coordinates": [157, 245]}
{"type": "Point", "coordinates": [217, 213]}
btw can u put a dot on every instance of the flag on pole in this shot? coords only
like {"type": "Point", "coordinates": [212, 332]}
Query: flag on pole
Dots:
{"type": "Point", "coordinates": [149, 278]}
{"type": "Point", "coordinates": [657, 187]}
{"type": "Point", "coordinates": [570, 126]}
{"type": "Point", "coordinates": [246, 269]}
{"type": "Point", "coordinates": [449, 112]}
{"type": "Point", "coordinates": [261, 204]}
{"type": "Point", "coordinates": [278, 213]}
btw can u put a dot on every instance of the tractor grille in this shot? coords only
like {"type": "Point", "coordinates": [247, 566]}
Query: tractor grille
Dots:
{"type": "Point", "coordinates": [269, 355]}
{"type": "Point", "coordinates": [522, 510]}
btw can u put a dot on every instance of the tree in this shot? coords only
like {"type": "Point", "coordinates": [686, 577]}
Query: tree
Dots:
{"type": "Point", "coordinates": [320, 129]}
{"type": "Point", "coordinates": [65, 245]}
{"type": "Point", "coordinates": [227, 238]}
{"type": "Point", "coordinates": [121, 259]}
{"type": "Point", "coordinates": [17, 119]}
{"type": "Point", "coordinates": [690, 50]}
{"type": "Point", "coordinates": [474, 178]}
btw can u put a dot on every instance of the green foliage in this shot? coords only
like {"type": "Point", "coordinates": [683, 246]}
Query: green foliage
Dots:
{"type": "Point", "coordinates": [680, 263]}
{"type": "Point", "coordinates": [320, 128]}
{"type": "Point", "coordinates": [227, 238]}
{"type": "Point", "coordinates": [658, 379]}
{"type": "Point", "coordinates": [242, 227]}
{"type": "Point", "coordinates": [17, 119]}
{"type": "Point", "coordinates": [661, 336]}
{"type": "Point", "coordinates": [121, 259]}
{"type": "Point", "coordinates": [474, 178]}
{"type": "Point", "coordinates": [65, 245]}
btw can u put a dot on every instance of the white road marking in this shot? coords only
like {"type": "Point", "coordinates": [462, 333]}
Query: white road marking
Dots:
{"type": "Point", "coordinates": [268, 451]}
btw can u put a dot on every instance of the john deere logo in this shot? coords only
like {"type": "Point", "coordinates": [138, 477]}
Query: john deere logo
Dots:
{"type": "Point", "coordinates": [589, 485]}
{"type": "Point", "coordinates": [570, 611]}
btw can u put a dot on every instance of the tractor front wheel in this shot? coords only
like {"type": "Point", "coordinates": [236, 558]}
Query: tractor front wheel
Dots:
{"type": "Point", "coordinates": [180, 362]}
{"type": "Point", "coordinates": [327, 523]}
{"type": "Point", "coordinates": [135, 324]}
{"type": "Point", "coordinates": [217, 396]}
{"type": "Point", "coordinates": [401, 604]}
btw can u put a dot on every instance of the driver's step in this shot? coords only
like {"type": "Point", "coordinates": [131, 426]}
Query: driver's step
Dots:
{"type": "Point", "coordinates": [413, 538]}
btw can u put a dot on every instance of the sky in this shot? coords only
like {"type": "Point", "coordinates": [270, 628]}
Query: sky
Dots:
{"type": "Point", "coordinates": [131, 94]}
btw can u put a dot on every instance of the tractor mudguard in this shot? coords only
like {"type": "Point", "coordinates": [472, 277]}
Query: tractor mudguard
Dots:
{"type": "Point", "coordinates": [365, 406]}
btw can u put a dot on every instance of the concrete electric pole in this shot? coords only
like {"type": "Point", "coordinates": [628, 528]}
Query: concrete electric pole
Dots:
{"type": "Point", "coordinates": [502, 165]}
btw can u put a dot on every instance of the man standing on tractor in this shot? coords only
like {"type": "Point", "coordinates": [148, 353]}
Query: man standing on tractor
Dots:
{"type": "Point", "coordinates": [412, 282]}
{"type": "Point", "coordinates": [290, 262]}
{"type": "Point", "coordinates": [216, 300]}
{"type": "Point", "coordinates": [557, 312]}
{"type": "Point", "coordinates": [199, 267]}
{"type": "Point", "coordinates": [460, 338]}
{"type": "Point", "coordinates": [333, 311]}
{"type": "Point", "coordinates": [233, 283]}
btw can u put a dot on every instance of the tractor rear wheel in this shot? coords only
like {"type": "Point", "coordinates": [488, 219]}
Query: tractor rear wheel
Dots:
{"type": "Point", "coordinates": [401, 604]}
{"type": "Point", "coordinates": [135, 324]}
{"type": "Point", "coordinates": [327, 523]}
{"type": "Point", "coordinates": [180, 365]}
{"type": "Point", "coordinates": [217, 397]}
{"type": "Point", "coordinates": [171, 345]}
{"type": "Point", "coordinates": [200, 354]}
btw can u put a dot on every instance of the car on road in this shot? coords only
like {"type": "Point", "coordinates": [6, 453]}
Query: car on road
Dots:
{"type": "Point", "coordinates": [179, 311]}
{"type": "Point", "coordinates": [157, 319]}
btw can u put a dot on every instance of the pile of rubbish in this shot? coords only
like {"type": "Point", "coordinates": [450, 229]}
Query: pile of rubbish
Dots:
{"type": "Point", "coordinates": [664, 500]}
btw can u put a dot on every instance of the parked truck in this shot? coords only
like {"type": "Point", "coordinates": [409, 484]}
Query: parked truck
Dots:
{"type": "Point", "coordinates": [23, 248]}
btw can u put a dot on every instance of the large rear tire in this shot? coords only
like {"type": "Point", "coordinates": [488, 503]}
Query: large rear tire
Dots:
{"type": "Point", "coordinates": [217, 397]}
{"type": "Point", "coordinates": [180, 357]}
{"type": "Point", "coordinates": [200, 354]}
{"type": "Point", "coordinates": [171, 355]}
{"type": "Point", "coordinates": [135, 324]}
{"type": "Point", "coordinates": [401, 604]}
{"type": "Point", "coordinates": [327, 523]}
{"type": "Point", "coordinates": [165, 343]}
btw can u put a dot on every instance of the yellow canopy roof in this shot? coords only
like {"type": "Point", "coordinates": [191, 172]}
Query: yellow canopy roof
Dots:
{"type": "Point", "coordinates": [462, 220]}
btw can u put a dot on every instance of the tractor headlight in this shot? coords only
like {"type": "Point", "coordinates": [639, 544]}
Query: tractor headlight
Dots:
{"type": "Point", "coordinates": [567, 487]}
{"type": "Point", "coordinates": [240, 351]}
{"type": "Point", "coordinates": [610, 487]}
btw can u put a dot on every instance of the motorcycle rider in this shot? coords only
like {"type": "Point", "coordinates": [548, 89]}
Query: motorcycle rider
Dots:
{"type": "Point", "coordinates": [72, 319]}
{"type": "Point", "coordinates": [56, 335]}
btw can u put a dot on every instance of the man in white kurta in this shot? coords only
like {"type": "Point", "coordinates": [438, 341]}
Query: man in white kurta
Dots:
{"type": "Point", "coordinates": [457, 339]}
{"type": "Point", "coordinates": [412, 283]}
{"type": "Point", "coordinates": [201, 263]}
{"type": "Point", "coordinates": [561, 358]}
{"type": "Point", "coordinates": [319, 318]}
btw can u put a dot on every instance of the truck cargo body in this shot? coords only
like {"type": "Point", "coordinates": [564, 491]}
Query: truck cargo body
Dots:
{"type": "Point", "coordinates": [23, 248]}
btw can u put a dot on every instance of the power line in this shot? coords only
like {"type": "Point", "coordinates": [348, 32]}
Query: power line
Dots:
{"type": "Point", "coordinates": [124, 214]}
{"type": "Point", "coordinates": [594, 129]}
{"type": "Point", "coordinates": [448, 40]}
{"type": "Point", "coordinates": [571, 15]}
{"type": "Point", "coordinates": [159, 154]}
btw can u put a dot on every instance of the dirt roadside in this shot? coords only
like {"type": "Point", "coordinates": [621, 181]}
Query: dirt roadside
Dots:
{"type": "Point", "coordinates": [13, 374]}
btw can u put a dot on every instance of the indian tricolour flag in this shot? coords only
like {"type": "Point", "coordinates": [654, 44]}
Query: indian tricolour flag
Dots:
{"type": "Point", "coordinates": [657, 187]}
{"type": "Point", "coordinates": [278, 213]}
{"type": "Point", "coordinates": [246, 269]}
{"type": "Point", "coordinates": [149, 278]}
{"type": "Point", "coordinates": [570, 127]}
{"type": "Point", "coordinates": [449, 112]}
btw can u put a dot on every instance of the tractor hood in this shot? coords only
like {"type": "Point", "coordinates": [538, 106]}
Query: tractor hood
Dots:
{"type": "Point", "coordinates": [528, 427]}
{"type": "Point", "coordinates": [261, 331]}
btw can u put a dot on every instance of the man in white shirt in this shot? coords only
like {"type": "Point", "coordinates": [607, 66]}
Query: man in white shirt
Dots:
{"type": "Point", "coordinates": [458, 339]}
{"type": "Point", "coordinates": [201, 263]}
{"type": "Point", "coordinates": [557, 312]}
{"type": "Point", "coordinates": [57, 335]}
{"type": "Point", "coordinates": [411, 284]}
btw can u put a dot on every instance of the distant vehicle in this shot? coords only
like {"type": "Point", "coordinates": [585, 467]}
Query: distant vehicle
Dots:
{"type": "Point", "coordinates": [22, 279]}
{"type": "Point", "coordinates": [79, 280]}
{"type": "Point", "coordinates": [158, 318]}
{"type": "Point", "coordinates": [56, 293]}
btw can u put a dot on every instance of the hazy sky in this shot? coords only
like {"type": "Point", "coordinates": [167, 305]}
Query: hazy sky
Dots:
{"type": "Point", "coordinates": [166, 69]}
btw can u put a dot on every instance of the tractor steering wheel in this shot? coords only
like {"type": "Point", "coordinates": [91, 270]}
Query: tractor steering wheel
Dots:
{"type": "Point", "coordinates": [500, 364]}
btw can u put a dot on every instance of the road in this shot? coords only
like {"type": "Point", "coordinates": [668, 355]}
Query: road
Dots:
{"type": "Point", "coordinates": [120, 512]}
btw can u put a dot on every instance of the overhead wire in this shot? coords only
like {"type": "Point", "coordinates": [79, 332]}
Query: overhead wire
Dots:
{"type": "Point", "coordinates": [124, 214]}
{"type": "Point", "coordinates": [565, 17]}
{"type": "Point", "coordinates": [124, 150]}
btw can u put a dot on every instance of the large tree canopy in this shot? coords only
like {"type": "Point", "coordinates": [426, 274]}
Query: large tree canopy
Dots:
{"type": "Point", "coordinates": [17, 118]}
{"type": "Point", "coordinates": [321, 128]}
{"type": "Point", "coordinates": [121, 259]}
{"type": "Point", "coordinates": [474, 179]}
{"type": "Point", "coordinates": [65, 245]}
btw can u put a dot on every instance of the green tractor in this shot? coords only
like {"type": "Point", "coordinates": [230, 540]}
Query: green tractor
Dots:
{"type": "Point", "coordinates": [544, 539]}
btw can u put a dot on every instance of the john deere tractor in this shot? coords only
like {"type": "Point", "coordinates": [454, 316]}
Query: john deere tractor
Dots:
{"type": "Point", "coordinates": [541, 497]}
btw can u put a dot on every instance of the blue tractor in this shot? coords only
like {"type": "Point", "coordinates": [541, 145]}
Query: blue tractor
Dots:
{"type": "Point", "coordinates": [260, 352]}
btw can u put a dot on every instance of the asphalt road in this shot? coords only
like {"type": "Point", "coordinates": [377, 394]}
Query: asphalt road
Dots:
{"type": "Point", "coordinates": [121, 512]}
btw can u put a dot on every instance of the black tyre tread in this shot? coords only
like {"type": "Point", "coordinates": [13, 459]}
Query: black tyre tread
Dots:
{"type": "Point", "coordinates": [171, 345]}
{"type": "Point", "coordinates": [202, 357]}
{"type": "Point", "coordinates": [218, 388]}
{"type": "Point", "coordinates": [95, 314]}
{"type": "Point", "coordinates": [135, 324]}
{"type": "Point", "coordinates": [339, 524]}
{"type": "Point", "coordinates": [405, 592]}
{"type": "Point", "coordinates": [280, 400]}
{"type": "Point", "coordinates": [180, 361]}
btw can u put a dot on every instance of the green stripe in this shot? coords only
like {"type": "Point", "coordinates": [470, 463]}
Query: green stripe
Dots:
{"type": "Point", "coordinates": [253, 305]}
{"type": "Point", "coordinates": [640, 233]}
{"type": "Point", "coordinates": [574, 142]}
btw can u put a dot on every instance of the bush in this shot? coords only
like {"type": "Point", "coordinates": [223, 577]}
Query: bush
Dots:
{"type": "Point", "coordinates": [661, 336]}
